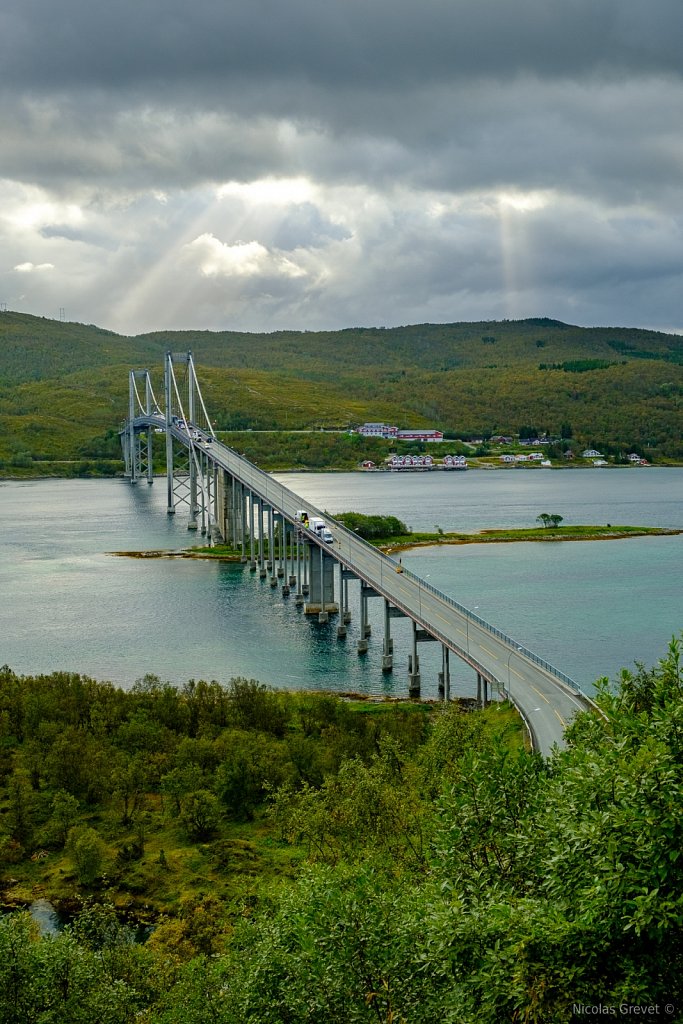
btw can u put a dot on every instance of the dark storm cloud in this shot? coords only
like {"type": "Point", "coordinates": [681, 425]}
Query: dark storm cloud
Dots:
{"type": "Point", "coordinates": [454, 95]}
{"type": "Point", "coordinates": [443, 160]}
{"type": "Point", "coordinates": [386, 41]}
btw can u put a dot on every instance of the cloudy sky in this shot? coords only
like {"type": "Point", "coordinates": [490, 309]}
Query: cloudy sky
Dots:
{"type": "Point", "coordinates": [268, 164]}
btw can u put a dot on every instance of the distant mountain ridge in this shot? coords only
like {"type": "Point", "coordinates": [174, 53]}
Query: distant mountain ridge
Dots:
{"type": "Point", "coordinates": [62, 385]}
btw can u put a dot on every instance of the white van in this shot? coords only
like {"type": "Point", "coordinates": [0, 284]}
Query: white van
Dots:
{"type": "Point", "coordinates": [326, 535]}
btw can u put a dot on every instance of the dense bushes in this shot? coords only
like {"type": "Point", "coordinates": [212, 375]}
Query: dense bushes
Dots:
{"type": "Point", "coordinates": [451, 877]}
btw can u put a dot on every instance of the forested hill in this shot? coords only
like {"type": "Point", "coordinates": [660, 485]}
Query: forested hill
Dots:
{"type": "Point", "coordinates": [615, 386]}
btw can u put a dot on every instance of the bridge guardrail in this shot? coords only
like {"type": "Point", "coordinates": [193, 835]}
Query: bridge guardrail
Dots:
{"type": "Point", "coordinates": [422, 584]}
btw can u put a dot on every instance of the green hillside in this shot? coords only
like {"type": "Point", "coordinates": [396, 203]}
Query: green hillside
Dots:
{"type": "Point", "coordinates": [63, 386]}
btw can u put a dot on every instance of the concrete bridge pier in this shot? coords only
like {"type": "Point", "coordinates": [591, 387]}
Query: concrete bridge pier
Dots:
{"type": "Point", "coordinates": [299, 599]}
{"type": "Point", "coordinates": [216, 531]}
{"type": "Point", "coordinates": [192, 522]}
{"type": "Point", "coordinates": [280, 533]}
{"type": "Point", "coordinates": [294, 570]}
{"type": "Point", "coordinates": [343, 598]}
{"type": "Point", "coordinates": [414, 668]}
{"type": "Point", "coordinates": [270, 563]}
{"type": "Point", "coordinates": [284, 557]}
{"type": "Point", "coordinates": [224, 506]}
{"type": "Point", "coordinates": [203, 478]}
{"type": "Point", "coordinates": [364, 625]}
{"type": "Point", "coordinates": [366, 592]}
{"type": "Point", "coordinates": [291, 548]}
{"type": "Point", "coordinates": [261, 541]}
{"type": "Point", "coordinates": [388, 643]}
{"type": "Point", "coordinates": [306, 550]}
{"type": "Point", "coordinates": [214, 523]}
{"type": "Point", "coordinates": [243, 523]}
{"type": "Point", "coordinates": [252, 539]}
{"type": "Point", "coordinates": [345, 576]}
{"type": "Point", "coordinates": [321, 597]}
{"type": "Point", "coordinates": [445, 675]}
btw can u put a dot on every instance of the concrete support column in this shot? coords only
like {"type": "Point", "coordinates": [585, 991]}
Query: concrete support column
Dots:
{"type": "Point", "coordinates": [285, 557]}
{"type": "Point", "coordinates": [414, 668]}
{"type": "Point", "coordinates": [252, 539]}
{"type": "Point", "coordinates": [306, 550]}
{"type": "Point", "coordinates": [445, 675]}
{"type": "Point", "coordinates": [261, 542]}
{"type": "Point", "coordinates": [202, 476]}
{"type": "Point", "coordinates": [321, 597]}
{"type": "Point", "coordinates": [222, 505]}
{"type": "Point", "coordinates": [192, 522]}
{"type": "Point", "coordinates": [364, 625]}
{"type": "Point", "coordinates": [150, 454]}
{"type": "Point", "coordinates": [271, 538]}
{"type": "Point", "coordinates": [292, 567]}
{"type": "Point", "coordinates": [387, 644]}
{"type": "Point", "coordinates": [243, 523]}
{"type": "Point", "coordinates": [208, 465]}
{"type": "Point", "coordinates": [214, 499]}
{"type": "Point", "coordinates": [347, 610]}
{"type": "Point", "coordinates": [236, 509]}
{"type": "Point", "coordinates": [323, 615]}
{"type": "Point", "coordinates": [282, 537]}
{"type": "Point", "coordinates": [299, 599]}
{"type": "Point", "coordinates": [343, 597]}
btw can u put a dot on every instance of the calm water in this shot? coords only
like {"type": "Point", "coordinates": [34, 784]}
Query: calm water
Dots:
{"type": "Point", "coordinates": [588, 608]}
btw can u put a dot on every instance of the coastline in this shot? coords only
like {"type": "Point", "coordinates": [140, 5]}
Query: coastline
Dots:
{"type": "Point", "coordinates": [568, 533]}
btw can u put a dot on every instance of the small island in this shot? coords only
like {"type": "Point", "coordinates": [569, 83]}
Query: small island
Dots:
{"type": "Point", "coordinates": [559, 533]}
{"type": "Point", "coordinates": [390, 535]}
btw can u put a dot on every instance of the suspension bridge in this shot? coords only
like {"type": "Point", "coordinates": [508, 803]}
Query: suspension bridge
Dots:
{"type": "Point", "coordinates": [230, 500]}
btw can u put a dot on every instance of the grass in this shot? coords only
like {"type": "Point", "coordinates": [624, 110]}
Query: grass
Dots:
{"type": "Point", "coordinates": [559, 533]}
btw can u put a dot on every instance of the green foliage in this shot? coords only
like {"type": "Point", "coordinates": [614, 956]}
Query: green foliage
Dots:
{"type": "Point", "coordinates": [363, 808]}
{"type": "Point", "coordinates": [87, 851]}
{"type": "Point", "coordinates": [452, 875]}
{"type": "Point", "coordinates": [65, 814]}
{"type": "Point", "coordinates": [373, 527]}
{"type": "Point", "coordinates": [550, 520]}
{"type": "Point", "coordinates": [63, 388]}
{"type": "Point", "coordinates": [579, 365]}
{"type": "Point", "coordinates": [201, 814]}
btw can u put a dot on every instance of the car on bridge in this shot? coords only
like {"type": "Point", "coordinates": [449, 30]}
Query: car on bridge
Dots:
{"type": "Point", "coordinates": [326, 535]}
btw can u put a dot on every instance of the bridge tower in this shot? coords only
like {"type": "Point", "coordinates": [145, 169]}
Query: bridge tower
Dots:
{"type": "Point", "coordinates": [190, 477]}
{"type": "Point", "coordinates": [137, 445]}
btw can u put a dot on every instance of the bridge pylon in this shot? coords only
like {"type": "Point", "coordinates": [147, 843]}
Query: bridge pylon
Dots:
{"type": "Point", "coordinates": [137, 444]}
{"type": "Point", "coordinates": [189, 477]}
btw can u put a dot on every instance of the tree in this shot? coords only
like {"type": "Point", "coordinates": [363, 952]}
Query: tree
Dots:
{"type": "Point", "coordinates": [549, 520]}
{"type": "Point", "coordinates": [200, 814]}
{"type": "Point", "coordinates": [87, 851]}
{"type": "Point", "coordinates": [64, 814]}
{"type": "Point", "coordinates": [21, 807]}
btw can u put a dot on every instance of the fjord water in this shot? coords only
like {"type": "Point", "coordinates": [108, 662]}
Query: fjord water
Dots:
{"type": "Point", "coordinates": [588, 608]}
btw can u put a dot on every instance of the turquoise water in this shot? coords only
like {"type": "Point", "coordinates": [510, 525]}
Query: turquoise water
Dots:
{"type": "Point", "coordinates": [589, 609]}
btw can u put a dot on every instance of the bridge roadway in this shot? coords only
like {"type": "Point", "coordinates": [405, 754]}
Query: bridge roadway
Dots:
{"type": "Point", "coordinates": [546, 698]}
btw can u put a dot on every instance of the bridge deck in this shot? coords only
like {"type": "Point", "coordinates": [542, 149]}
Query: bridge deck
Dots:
{"type": "Point", "coordinates": [546, 698]}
